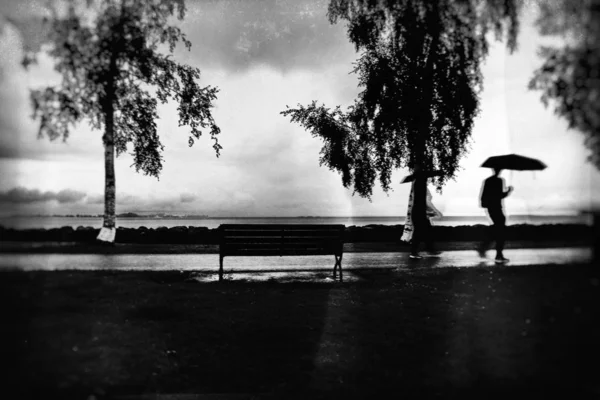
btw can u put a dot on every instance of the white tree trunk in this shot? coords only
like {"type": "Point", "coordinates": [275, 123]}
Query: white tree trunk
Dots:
{"type": "Point", "coordinates": [108, 232]}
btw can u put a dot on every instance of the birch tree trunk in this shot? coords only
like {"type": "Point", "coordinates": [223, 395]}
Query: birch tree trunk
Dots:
{"type": "Point", "coordinates": [108, 232]}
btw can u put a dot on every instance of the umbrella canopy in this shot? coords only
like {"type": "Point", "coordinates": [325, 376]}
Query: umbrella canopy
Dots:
{"type": "Point", "coordinates": [513, 162]}
{"type": "Point", "coordinates": [429, 174]}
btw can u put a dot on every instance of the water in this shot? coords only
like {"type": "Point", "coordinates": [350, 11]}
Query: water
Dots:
{"type": "Point", "coordinates": [96, 222]}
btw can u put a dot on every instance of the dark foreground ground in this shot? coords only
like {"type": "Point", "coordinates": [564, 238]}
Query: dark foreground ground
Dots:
{"type": "Point", "coordinates": [448, 333]}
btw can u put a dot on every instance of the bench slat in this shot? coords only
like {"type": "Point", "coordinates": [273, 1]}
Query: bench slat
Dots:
{"type": "Point", "coordinates": [273, 239]}
{"type": "Point", "coordinates": [270, 232]}
{"type": "Point", "coordinates": [293, 252]}
{"type": "Point", "coordinates": [283, 247]}
{"type": "Point", "coordinates": [242, 233]}
{"type": "Point", "coordinates": [289, 245]}
{"type": "Point", "coordinates": [268, 227]}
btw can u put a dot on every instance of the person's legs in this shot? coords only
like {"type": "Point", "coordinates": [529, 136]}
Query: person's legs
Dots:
{"type": "Point", "coordinates": [500, 235]}
{"type": "Point", "coordinates": [418, 227]}
{"type": "Point", "coordinates": [429, 238]}
{"type": "Point", "coordinates": [499, 231]}
{"type": "Point", "coordinates": [488, 236]}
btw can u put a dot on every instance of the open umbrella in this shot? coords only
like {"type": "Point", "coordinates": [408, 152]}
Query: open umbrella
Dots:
{"type": "Point", "coordinates": [513, 162]}
{"type": "Point", "coordinates": [411, 177]}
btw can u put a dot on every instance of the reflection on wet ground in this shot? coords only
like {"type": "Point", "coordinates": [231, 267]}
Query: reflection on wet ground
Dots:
{"type": "Point", "coordinates": [313, 268]}
{"type": "Point", "coordinates": [276, 276]}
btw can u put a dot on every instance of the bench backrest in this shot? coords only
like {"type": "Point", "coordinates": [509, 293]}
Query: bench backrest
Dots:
{"type": "Point", "coordinates": [280, 240]}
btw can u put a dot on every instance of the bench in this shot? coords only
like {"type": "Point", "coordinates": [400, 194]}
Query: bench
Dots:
{"type": "Point", "coordinates": [281, 240]}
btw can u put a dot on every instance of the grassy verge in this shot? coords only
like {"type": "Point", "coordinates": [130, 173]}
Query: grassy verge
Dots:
{"type": "Point", "coordinates": [464, 332]}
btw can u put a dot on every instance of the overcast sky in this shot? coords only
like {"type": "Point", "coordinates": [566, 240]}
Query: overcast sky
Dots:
{"type": "Point", "coordinates": [268, 166]}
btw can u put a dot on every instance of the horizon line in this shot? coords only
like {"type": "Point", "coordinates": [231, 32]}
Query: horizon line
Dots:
{"type": "Point", "coordinates": [482, 215]}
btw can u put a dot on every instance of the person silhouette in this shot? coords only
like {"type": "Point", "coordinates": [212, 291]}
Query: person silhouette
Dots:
{"type": "Point", "coordinates": [491, 199]}
{"type": "Point", "coordinates": [432, 212]}
{"type": "Point", "coordinates": [421, 225]}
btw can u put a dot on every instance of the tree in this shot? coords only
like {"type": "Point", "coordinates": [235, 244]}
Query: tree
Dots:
{"type": "Point", "coordinates": [108, 54]}
{"type": "Point", "coordinates": [419, 68]}
{"type": "Point", "coordinates": [569, 76]}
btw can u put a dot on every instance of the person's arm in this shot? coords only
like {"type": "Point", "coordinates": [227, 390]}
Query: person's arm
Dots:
{"type": "Point", "coordinates": [507, 192]}
{"type": "Point", "coordinates": [432, 211]}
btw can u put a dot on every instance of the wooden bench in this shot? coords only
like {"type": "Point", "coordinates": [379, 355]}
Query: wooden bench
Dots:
{"type": "Point", "coordinates": [281, 240]}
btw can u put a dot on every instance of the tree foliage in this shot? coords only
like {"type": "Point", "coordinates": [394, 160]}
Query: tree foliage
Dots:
{"type": "Point", "coordinates": [110, 57]}
{"type": "Point", "coordinates": [419, 68]}
{"type": "Point", "coordinates": [569, 77]}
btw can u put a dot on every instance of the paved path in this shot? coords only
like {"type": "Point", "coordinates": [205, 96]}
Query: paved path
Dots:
{"type": "Point", "coordinates": [274, 266]}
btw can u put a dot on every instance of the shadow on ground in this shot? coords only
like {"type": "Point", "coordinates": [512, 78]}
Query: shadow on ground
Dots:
{"type": "Point", "coordinates": [72, 334]}
{"type": "Point", "coordinates": [469, 333]}
{"type": "Point", "coordinates": [474, 332]}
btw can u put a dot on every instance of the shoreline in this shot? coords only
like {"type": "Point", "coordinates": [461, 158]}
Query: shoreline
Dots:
{"type": "Point", "coordinates": [535, 235]}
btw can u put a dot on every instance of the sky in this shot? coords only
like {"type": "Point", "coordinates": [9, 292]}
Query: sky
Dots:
{"type": "Point", "coordinates": [269, 166]}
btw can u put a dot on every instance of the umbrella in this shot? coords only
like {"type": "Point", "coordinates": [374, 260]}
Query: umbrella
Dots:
{"type": "Point", "coordinates": [513, 162]}
{"type": "Point", "coordinates": [411, 177]}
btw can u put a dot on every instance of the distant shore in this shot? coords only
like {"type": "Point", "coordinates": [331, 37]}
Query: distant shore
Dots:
{"type": "Point", "coordinates": [183, 239]}
{"type": "Point", "coordinates": [133, 221]}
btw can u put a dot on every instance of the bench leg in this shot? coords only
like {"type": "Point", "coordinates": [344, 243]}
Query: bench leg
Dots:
{"type": "Point", "coordinates": [338, 263]}
{"type": "Point", "coordinates": [220, 268]}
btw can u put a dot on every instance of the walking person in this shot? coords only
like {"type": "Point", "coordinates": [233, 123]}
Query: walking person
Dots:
{"type": "Point", "coordinates": [432, 212]}
{"type": "Point", "coordinates": [492, 195]}
{"type": "Point", "coordinates": [418, 227]}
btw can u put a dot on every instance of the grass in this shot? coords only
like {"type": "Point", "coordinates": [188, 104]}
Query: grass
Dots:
{"type": "Point", "coordinates": [470, 332]}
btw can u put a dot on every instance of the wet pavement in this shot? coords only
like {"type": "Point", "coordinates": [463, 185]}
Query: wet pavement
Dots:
{"type": "Point", "coordinates": [307, 267]}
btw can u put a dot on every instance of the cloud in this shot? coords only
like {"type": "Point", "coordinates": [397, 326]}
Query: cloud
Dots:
{"type": "Point", "coordinates": [187, 197]}
{"type": "Point", "coordinates": [27, 17]}
{"type": "Point", "coordinates": [23, 195]}
{"type": "Point", "coordinates": [231, 34]}
{"type": "Point", "coordinates": [68, 196]}
{"type": "Point", "coordinates": [18, 131]}
{"type": "Point", "coordinates": [281, 35]}
{"type": "Point", "coordinates": [263, 55]}
{"type": "Point", "coordinates": [95, 199]}
{"type": "Point", "coordinates": [129, 202]}
{"type": "Point", "coordinates": [238, 34]}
